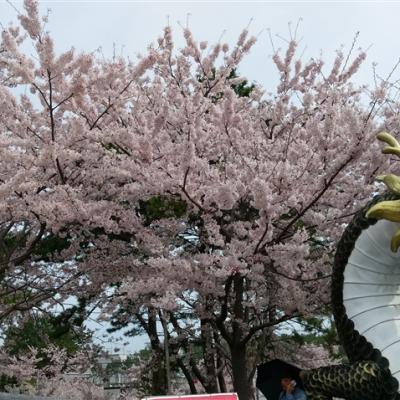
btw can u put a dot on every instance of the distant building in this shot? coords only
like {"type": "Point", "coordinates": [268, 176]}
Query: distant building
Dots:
{"type": "Point", "coordinates": [108, 372]}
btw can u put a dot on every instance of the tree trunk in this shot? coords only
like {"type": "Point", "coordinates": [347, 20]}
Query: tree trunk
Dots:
{"type": "Point", "coordinates": [241, 384]}
{"type": "Point", "coordinates": [190, 371]}
{"type": "Point", "coordinates": [221, 378]}
{"type": "Point", "coordinates": [209, 357]}
{"type": "Point", "coordinates": [167, 365]}
{"type": "Point", "coordinates": [188, 376]}
{"type": "Point", "coordinates": [158, 382]}
{"type": "Point", "coordinates": [220, 363]}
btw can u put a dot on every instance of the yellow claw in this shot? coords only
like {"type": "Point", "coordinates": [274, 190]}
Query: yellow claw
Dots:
{"type": "Point", "coordinates": [388, 138]}
{"type": "Point", "coordinates": [391, 181]}
{"type": "Point", "coordinates": [389, 210]}
{"type": "Point", "coordinates": [391, 150]}
{"type": "Point", "coordinates": [395, 242]}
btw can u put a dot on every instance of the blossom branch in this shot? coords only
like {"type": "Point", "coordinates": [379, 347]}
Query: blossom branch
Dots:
{"type": "Point", "coordinates": [312, 202]}
{"type": "Point", "coordinates": [255, 329]}
{"type": "Point", "coordinates": [184, 190]}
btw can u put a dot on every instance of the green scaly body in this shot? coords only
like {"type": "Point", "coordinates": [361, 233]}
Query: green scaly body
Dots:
{"type": "Point", "coordinates": [367, 376]}
{"type": "Point", "coordinates": [364, 380]}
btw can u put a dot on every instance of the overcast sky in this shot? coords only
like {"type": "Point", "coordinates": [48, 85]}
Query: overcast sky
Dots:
{"type": "Point", "coordinates": [132, 25]}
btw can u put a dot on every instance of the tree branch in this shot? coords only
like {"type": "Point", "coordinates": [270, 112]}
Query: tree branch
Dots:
{"type": "Point", "coordinates": [268, 324]}
{"type": "Point", "coordinates": [183, 187]}
{"type": "Point", "coordinates": [312, 202]}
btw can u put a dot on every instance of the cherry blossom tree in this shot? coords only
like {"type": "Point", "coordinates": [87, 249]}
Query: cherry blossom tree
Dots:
{"type": "Point", "coordinates": [61, 377]}
{"type": "Point", "coordinates": [158, 180]}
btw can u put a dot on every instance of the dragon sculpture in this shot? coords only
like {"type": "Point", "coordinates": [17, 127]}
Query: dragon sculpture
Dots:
{"type": "Point", "coordinates": [366, 301]}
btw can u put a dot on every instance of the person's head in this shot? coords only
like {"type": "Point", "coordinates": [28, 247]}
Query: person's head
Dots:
{"type": "Point", "coordinates": [286, 381]}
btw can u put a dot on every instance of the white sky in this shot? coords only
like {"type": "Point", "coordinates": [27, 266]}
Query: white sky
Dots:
{"type": "Point", "coordinates": [132, 25]}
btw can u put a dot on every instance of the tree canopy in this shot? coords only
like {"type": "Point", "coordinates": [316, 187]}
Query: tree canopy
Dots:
{"type": "Point", "coordinates": [169, 186]}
